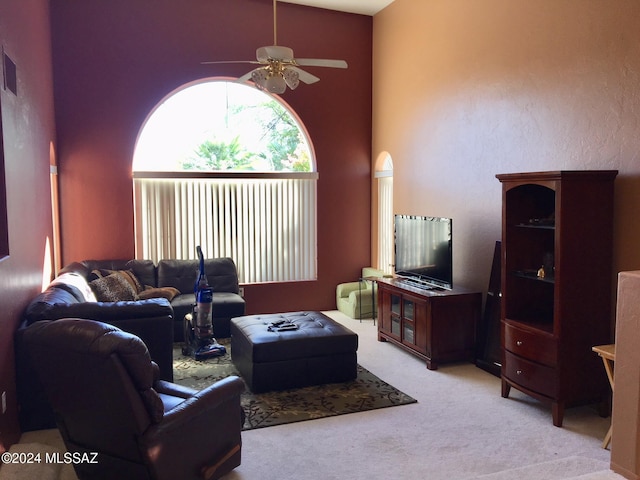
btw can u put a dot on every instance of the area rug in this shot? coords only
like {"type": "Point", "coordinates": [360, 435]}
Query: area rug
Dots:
{"type": "Point", "coordinates": [366, 392]}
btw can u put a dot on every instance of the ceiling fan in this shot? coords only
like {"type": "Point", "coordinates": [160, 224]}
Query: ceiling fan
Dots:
{"type": "Point", "coordinates": [279, 68]}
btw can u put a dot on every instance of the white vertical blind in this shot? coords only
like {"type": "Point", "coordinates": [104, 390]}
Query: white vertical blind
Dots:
{"type": "Point", "coordinates": [385, 224]}
{"type": "Point", "coordinates": [265, 222]}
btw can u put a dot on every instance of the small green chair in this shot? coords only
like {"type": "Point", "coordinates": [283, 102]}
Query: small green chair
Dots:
{"type": "Point", "coordinates": [357, 299]}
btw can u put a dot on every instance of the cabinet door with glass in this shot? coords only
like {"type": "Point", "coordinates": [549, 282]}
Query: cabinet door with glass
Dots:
{"type": "Point", "coordinates": [390, 314]}
{"type": "Point", "coordinates": [396, 315]}
{"type": "Point", "coordinates": [399, 318]}
{"type": "Point", "coordinates": [408, 322]}
{"type": "Point", "coordinates": [413, 326]}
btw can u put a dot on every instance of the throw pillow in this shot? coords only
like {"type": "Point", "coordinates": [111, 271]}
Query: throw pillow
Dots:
{"type": "Point", "coordinates": [162, 292]}
{"type": "Point", "coordinates": [78, 281]}
{"type": "Point", "coordinates": [113, 288]}
{"type": "Point", "coordinates": [127, 275]}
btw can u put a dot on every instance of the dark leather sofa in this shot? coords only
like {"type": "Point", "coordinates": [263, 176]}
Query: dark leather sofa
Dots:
{"type": "Point", "coordinates": [158, 322]}
{"type": "Point", "coordinates": [222, 276]}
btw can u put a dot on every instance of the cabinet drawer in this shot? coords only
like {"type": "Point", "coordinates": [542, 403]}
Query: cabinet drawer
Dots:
{"type": "Point", "coordinates": [530, 345]}
{"type": "Point", "coordinates": [531, 375]}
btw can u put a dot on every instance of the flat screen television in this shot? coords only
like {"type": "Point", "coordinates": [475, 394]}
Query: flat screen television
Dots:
{"type": "Point", "coordinates": [423, 250]}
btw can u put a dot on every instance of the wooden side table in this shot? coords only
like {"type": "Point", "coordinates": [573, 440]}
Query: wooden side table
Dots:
{"type": "Point", "coordinates": [608, 355]}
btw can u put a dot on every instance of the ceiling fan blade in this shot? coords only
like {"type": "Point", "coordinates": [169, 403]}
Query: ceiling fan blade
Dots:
{"type": "Point", "coordinates": [305, 77]}
{"type": "Point", "coordinates": [321, 62]}
{"type": "Point", "coordinates": [230, 61]}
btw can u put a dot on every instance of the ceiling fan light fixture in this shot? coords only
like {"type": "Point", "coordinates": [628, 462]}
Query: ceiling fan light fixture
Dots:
{"type": "Point", "coordinates": [275, 84]}
{"type": "Point", "coordinates": [272, 82]}
{"type": "Point", "coordinates": [291, 77]}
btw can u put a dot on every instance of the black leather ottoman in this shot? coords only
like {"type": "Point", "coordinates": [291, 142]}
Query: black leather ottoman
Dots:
{"type": "Point", "coordinates": [319, 351]}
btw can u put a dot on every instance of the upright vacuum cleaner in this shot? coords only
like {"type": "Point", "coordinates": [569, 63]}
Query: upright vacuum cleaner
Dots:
{"type": "Point", "coordinates": [198, 325]}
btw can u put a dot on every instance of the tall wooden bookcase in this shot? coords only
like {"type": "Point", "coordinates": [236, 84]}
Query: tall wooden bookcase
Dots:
{"type": "Point", "coordinates": [556, 274]}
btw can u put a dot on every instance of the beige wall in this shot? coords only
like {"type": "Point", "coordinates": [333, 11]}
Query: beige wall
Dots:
{"type": "Point", "coordinates": [466, 89]}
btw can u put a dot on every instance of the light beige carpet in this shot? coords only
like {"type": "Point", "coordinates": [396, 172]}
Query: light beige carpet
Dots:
{"type": "Point", "coordinates": [32, 461]}
{"type": "Point", "coordinates": [576, 467]}
{"type": "Point", "coordinates": [366, 392]}
{"type": "Point", "coordinates": [460, 429]}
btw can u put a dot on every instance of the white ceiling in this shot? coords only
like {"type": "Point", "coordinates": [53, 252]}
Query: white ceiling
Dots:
{"type": "Point", "coordinates": [363, 7]}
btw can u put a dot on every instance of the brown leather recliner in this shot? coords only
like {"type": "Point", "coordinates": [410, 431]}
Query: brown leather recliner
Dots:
{"type": "Point", "coordinates": [107, 399]}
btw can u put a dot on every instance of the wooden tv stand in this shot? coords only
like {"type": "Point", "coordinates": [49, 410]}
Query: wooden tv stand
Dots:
{"type": "Point", "coordinates": [438, 326]}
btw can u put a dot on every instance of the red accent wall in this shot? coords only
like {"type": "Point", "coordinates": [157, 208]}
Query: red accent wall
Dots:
{"type": "Point", "coordinates": [114, 61]}
{"type": "Point", "coordinates": [28, 132]}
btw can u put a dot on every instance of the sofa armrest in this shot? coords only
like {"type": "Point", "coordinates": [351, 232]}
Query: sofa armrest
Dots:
{"type": "Point", "coordinates": [343, 290]}
{"type": "Point", "coordinates": [174, 389]}
{"type": "Point", "coordinates": [102, 311]}
{"type": "Point", "coordinates": [205, 400]}
{"type": "Point", "coordinates": [364, 296]}
{"type": "Point", "coordinates": [213, 414]}
{"type": "Point", "coordinates": [151, 320]}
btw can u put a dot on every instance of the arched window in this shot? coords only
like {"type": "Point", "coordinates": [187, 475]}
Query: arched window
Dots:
{"type": "Point", "coordinates": [230, 168]}
{"type": "Point", "coordinates": [384, 175]}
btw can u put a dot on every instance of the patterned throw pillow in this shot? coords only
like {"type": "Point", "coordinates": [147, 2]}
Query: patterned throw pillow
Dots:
{"type": "Point", "coordinates": [127, 275]}
{"type": "Point", "coordinates": [113, 288]}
